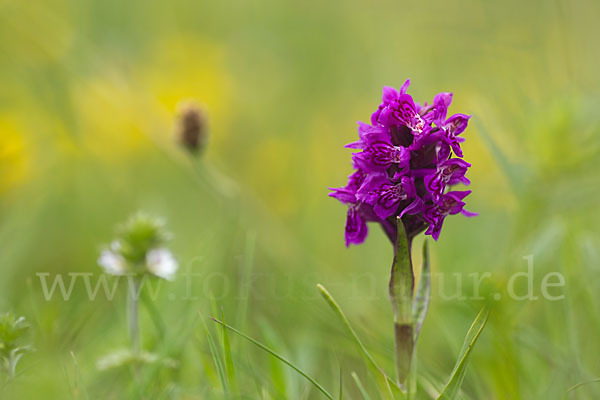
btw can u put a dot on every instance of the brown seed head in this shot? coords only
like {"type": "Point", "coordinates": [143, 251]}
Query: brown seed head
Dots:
{"type": "Point", "coordinates": [191, 127]}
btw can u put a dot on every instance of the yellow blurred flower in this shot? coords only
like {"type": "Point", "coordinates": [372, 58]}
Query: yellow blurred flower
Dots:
{"type": "Point", "coordinates": [15, 156]}
{"type": "Point", "coordinates": [112, 117]}
{"type": "Point", "coordinates": [120, 114]}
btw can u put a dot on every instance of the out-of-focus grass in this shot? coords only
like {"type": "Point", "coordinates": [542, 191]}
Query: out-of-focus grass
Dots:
{"type": "Point", "coordinates": [89, 90]}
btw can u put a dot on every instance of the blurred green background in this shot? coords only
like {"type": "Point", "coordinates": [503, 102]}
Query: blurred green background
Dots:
{"type": "Point", "coordinates": [88, 96]}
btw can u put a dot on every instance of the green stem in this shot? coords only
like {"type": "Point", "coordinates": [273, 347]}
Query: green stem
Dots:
{"type": "Point", "coordinates": [133, 301]}
{"type": "Point", "coordinates": [402, 283]}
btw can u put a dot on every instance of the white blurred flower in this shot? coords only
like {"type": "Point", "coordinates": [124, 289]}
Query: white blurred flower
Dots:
{"type": "Point", "coordinates": [111, 261]}
{"type": "Point", "coordinates": [160, 262]}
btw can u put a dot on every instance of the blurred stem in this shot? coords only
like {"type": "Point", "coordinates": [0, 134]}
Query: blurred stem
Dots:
{"type": "Point", "coordinates": [12, 365]}
{"type": "Point", "coordinates": [133, 305]}
{"type": "Point", "coordinates": [402, 282]}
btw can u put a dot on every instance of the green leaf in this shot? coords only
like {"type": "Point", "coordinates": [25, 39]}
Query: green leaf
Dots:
{"type": "Point", "coordinates": [423, 295]}
{"type": "Point", "coordinates": [279, 357]}
{"type": "Point", "coordinates": [452, 388]}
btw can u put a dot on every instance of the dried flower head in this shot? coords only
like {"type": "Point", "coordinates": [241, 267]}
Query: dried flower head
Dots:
{"type": "Point", "coordinates": [409, 156]}
{"type": "Point", "coordinates": [191, 129]}
{"type": "Point", "coordinates": [139, 248]}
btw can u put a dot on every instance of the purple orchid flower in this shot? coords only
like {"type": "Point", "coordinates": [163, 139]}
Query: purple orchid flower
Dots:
{"type": "Point", "coordinates": [378, 153]}
{"type": "Point", "coordinates": [407, 158]}
{"type": "Point", "coordinates": [448, 204]}
{"type": "Point", "coordinates": [385, 196]}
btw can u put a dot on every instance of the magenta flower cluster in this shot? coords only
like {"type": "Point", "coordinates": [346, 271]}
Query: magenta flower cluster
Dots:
{"type": "Point", "coordinates": [409, 155]}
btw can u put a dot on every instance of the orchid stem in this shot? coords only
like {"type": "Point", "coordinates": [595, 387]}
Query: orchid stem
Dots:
{"type": "Point", "coordinates": [402, 283]}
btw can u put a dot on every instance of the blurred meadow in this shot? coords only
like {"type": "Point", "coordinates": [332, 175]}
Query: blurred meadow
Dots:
{"type": "Point", "coordinates": [88, 97]}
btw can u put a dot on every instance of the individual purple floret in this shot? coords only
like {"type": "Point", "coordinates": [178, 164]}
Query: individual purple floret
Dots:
{"type": "Point", "coordinates": [356, 224]}
{"type": "Point", "coordinates": [379, 153]}
{"type": "Point", "coordinates": [404, 166]}
{"type": "Point", "coordinates": [448, 204]}
{"type": "Point", "coordinates": [449, 172]}
{"type": "Point", "coordinates": [385, 195]}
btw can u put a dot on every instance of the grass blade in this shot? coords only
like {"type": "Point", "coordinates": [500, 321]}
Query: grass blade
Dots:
{"type": "Point", "coordinates": [341, 391]}
{"type": "Point", "coordinates": [217, 359]}
{"type": "Point", "coordinates": [361, 388]}
{"type": "Point", "coordinates": [389, 390]}
{"type": "Point", "coordinates": [229, 365]}
{"type": "Point", "coordinates": [279, 357]}
{"type": "Point", "coordinates": [336, 308]}
{"type": "Point", "coordinates": [582, 384]}
{"type": "Point", "coordinates": [78, 387]}
{"type": "Point", "coordinates": [451, 390]}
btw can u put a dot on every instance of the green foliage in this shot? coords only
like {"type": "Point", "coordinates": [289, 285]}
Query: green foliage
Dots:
{"type": "Point", "coordinates": [12, 342]}
{"type": "Point", "coordinates": [12, 330]}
